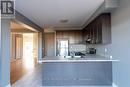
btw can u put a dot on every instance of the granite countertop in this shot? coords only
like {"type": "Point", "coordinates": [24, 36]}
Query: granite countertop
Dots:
{"type": "Point", "coordinates": [87, 58]}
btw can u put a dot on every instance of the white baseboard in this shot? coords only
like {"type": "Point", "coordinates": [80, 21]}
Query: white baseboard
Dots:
{"type": "Point", "coordinates": [114, 85]}
{"type": "Point", "coordinates": [9, 85]}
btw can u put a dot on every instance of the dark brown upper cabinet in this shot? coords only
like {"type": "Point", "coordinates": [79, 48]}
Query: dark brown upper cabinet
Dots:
{"type": "Point", "coordinates": [99, 30]}
{"type": "Point", "coordinates": [74, 36]}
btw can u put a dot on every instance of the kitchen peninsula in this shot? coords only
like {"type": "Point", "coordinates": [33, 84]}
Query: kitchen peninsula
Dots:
{"type": "Point", "coordinates": [91, 70]}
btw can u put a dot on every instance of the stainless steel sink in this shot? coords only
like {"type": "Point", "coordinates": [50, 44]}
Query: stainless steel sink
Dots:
{"type": "Point", "coordinates": [68, 57]}
{"type": "Point", "coordinates": [74, 57]}
{"type": "Point", "coordinates": [77, 56]}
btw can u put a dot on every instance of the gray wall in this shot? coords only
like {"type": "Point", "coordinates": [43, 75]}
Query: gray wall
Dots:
{"type": "Point", "coordinates": [120, 47]}
{"type": "Point", "coordinates": [5, 53]}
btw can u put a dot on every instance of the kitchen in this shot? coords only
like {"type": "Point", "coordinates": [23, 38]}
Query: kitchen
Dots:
{"type": "Point", "coordinates": [97, 32]}
{"type": "Point", "coordinates": [98, 58]}
{"type": "Point", "coordinates": [76, 56]}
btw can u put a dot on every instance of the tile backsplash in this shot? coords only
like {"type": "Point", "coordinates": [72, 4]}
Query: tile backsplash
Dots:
{"type": "Point", "coordinates": [77, 47]}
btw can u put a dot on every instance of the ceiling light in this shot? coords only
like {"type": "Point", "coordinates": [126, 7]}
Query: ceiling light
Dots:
{"type": "Point", "coordinates": [63, 20]}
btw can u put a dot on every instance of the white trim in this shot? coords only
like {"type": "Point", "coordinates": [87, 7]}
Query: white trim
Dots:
{"type": "Point", "coordinates": [114, 85]}
{"type": "Point", "coordinates": [8, 85]}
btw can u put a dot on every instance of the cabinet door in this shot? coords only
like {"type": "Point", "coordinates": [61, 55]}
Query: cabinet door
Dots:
{"type": "Point", "coordinates": [106, 29]}
{"type": "Point", "coordinates": [88, 35]}
{"type": "Point", "coordinates": [91, 34]}
{"type": "Point", "coordinates": [96, 33]}
{"type": "Point", "coordinates": [84, 35]}
{"type": "Point", "coordinates": [58, 34]}
{"type": "Point", "coordinates": [71, 37]}
{"type": "Point", "coordinates": [99, 33]}
{"type": "Point", "coordinates": [78, 37]}
{"type": "Point", "coordinates": [66, 34]}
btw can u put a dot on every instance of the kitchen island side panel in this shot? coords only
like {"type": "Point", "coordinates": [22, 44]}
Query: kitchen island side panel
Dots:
{"type": "Point", "coordinates": [77, 74]}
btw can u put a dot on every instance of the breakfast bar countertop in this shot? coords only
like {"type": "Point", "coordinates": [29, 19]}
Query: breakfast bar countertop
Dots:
{"type": "Point", "coordinates": [87, 58]}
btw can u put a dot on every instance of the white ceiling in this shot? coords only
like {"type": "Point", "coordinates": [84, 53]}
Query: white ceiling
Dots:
{"type": "Point", "coordinates": [48, 13]}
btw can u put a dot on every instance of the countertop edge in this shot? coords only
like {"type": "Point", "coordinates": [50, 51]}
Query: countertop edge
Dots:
{"type": "Point", "coordinates": [80, 60]}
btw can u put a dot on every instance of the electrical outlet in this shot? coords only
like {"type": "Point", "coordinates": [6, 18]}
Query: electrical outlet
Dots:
{"type": "Point", "coordinates": [111, 57]}
{"type": "Point", "coordinates": [105, 49]}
